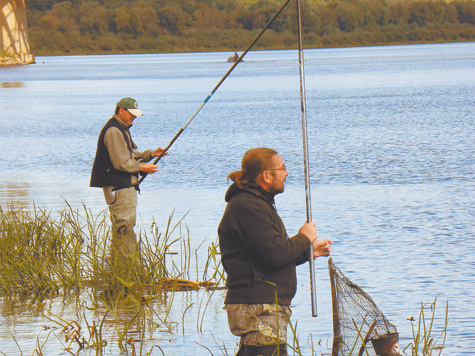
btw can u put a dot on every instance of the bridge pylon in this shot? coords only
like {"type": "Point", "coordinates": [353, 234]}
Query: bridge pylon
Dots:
{"type": "Point", "coordinates": [14, 46]}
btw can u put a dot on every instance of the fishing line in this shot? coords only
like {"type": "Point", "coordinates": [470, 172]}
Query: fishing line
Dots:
{"type": "Point", "coordinates": [214, 89]}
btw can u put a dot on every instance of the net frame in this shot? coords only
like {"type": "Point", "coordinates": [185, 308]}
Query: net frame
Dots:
{"type": "Point", "coordinates": [356, 318]}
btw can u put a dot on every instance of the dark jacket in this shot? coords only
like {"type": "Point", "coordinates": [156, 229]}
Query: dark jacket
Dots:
{"type": "Point", "coordinates": [103, 172]}
{"type": "Point", "coordinates": [255, 249]}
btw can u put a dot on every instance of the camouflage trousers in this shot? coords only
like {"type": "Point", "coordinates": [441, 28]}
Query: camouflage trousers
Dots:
{"type": "Point", "coordinates": [259, 324]}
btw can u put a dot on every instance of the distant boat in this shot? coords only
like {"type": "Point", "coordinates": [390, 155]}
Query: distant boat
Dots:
{"type": "Point", "coordinates": [234, 58]}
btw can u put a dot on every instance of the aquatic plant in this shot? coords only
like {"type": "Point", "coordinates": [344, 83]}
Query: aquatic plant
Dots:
{"type": "Point", "coordinates": [46, 255]}
{"type": "Point", "coordinates": [424, 342]}
{"type": "Point", "coordinates": [42, 255]}
{"type": "Point", "coordinates": [35, 252]}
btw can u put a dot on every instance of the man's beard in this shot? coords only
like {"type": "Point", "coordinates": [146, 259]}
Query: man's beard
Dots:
{"type": "Point", "coordinates": [274, 191]}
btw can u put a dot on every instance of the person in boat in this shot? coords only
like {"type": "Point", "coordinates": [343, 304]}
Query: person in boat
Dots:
{"type": "Point", "coordinates": [233, 58]}
{"type": "Point", "coordinates": [258, 256]}
{"type": "Point", "coordinates": [116, 168]}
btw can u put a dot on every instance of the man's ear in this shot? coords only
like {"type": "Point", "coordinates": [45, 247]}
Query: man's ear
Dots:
{"type": "Point", "coordinates": [267, 177]}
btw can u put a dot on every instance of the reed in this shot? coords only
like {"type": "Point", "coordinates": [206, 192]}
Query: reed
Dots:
{"type": "Point", "coordinates": [32, 258]}
{"type": "Point", "coordinates": [424, 343]}
{"type": "Point", "coordinates": [44, 255]}
{"type": "Point", "coordinates": [41, 255]}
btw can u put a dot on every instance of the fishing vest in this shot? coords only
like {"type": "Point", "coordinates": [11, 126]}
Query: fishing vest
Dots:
{"type": "Point", "coordinates": [103, 172]}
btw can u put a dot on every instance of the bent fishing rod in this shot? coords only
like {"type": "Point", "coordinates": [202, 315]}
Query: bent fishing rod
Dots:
{"type": "Point", "coordinates": [215, 89]}
{"type": "Point", "coordinates": [303, 109]}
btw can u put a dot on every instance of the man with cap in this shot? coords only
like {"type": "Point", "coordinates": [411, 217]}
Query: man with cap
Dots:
{"type": "Point", "coordinates": [116, 169]}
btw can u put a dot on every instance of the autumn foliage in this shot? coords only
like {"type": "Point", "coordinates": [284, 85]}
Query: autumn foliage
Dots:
{"type": "Point", "coordinates": [144, 26]}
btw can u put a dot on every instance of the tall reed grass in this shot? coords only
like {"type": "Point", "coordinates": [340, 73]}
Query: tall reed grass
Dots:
{"type": "Point", "coordinates": [46, 255]}
{"type": "Point", "coordinates": [425, 343]}
{"type": "Point", "coordinates": [42, 255]}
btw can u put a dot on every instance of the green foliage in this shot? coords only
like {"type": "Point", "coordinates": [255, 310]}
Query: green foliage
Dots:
{"type": "Point", "coordinates": [108, 26]}
{"type": "Point", "coordinates": [44, 256]}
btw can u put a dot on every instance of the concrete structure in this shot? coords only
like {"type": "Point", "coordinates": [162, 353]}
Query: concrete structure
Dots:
{"type": "Point", "coordinates": [14, 33]}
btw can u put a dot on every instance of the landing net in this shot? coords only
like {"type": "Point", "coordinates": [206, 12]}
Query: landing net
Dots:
{"type": "Point", "coordinates": [357, 319]}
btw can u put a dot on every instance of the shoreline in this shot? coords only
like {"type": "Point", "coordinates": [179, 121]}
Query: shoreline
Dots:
{"type": "Point", "coordinates": [232, 50]}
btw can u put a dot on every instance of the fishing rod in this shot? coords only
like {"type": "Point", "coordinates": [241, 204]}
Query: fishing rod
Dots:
{"type": "Point", "coordinates": [303, 109]}
{"type": "Point", "coordinates": [214, 89]}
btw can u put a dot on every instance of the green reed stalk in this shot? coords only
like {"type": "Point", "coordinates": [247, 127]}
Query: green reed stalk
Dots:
{"type": "Point", "coordinates": [423, 339]}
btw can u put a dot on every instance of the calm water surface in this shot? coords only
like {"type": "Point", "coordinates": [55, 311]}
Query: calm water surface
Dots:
{"type": "Point", "coordinates": [391, 139]}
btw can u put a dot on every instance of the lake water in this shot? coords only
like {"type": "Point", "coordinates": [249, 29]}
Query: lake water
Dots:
{"type": "Point", "coordinates": [391, 147]}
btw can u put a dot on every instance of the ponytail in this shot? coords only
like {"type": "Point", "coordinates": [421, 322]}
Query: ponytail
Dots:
{"type": "Point", "coordinates": [254, 162]}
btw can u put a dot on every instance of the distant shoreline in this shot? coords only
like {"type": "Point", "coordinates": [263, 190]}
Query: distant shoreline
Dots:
{"type": "Point", "coordinates": [232, 50]}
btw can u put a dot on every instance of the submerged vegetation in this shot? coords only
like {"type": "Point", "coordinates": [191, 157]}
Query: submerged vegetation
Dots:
{"type": "Point", "coordinates": [149, 26]}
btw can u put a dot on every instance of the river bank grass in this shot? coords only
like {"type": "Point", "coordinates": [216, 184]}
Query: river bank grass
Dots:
{"type": "Point", "coordinates": [42, 255]}
{"type": "Point", "coordinates": [62, 259]}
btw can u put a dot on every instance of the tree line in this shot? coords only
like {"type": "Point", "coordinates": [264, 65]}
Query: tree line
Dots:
{"type": "Point", "coordinates": [148, 26]}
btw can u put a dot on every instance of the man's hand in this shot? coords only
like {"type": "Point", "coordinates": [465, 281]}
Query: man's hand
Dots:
{"type": "Point", "coordinates": [309, 230]}
{"type": "Point", "coordinates": [321, 247]}
{"type": "Point", "coordinates": [158, 152]}
{"type": "Point", "coordinates": [149, 168]}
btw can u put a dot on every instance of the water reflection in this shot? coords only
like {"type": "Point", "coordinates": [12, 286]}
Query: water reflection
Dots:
{"type": "Point", "coordinates": [107, 323]}
{"type": "Point", "coordinates": [12, 84]}
{"type": "Point", "coordinates": [14, 194]}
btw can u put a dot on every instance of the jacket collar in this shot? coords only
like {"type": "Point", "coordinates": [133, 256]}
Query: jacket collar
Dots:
{"type": "Point", "coordinates": [250, 188]}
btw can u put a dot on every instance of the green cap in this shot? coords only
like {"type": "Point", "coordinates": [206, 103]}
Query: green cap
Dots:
{"type": "Point", "coordinates": [131, 105]}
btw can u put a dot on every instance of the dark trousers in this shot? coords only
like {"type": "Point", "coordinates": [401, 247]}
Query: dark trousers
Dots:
{"type": "Point", "coordinates": [267, 350]}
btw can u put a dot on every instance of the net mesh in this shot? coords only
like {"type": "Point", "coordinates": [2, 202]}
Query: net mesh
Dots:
{"type": "Point", "coordinates": [356, 318]}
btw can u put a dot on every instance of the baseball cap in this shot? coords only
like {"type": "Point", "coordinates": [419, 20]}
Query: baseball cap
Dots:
{"type": "Point", "coordinates": [131, 105]}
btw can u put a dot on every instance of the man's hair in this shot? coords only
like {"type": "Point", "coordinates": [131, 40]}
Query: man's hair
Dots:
{"type": "Point", "coordinates": [255, 161]}
{"type": "Point", "coordinates": [117, 109]}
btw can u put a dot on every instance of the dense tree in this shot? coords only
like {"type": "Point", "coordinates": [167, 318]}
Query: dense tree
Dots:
{"type": "Point", "coordinates": [465, 11]}
{"type": "Point", "coordinates": [250, 20]}
{"type": "Point", "coordinates": [93, 19]}
{"type": "Point", "coordinates": [146, 15]}
{"type": "Point", "coordinates": [375, 12]}
{"type": "Point", "coordinates": [348, 16]}
{"type": "Point", "coordinates": [41, 5]}
{"type": "Point", "coordinates": [209, 18]}
{"type": "Point", "coordinates": [106, 26]}
{"type": "Point", "coordinates": [173, 19]}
